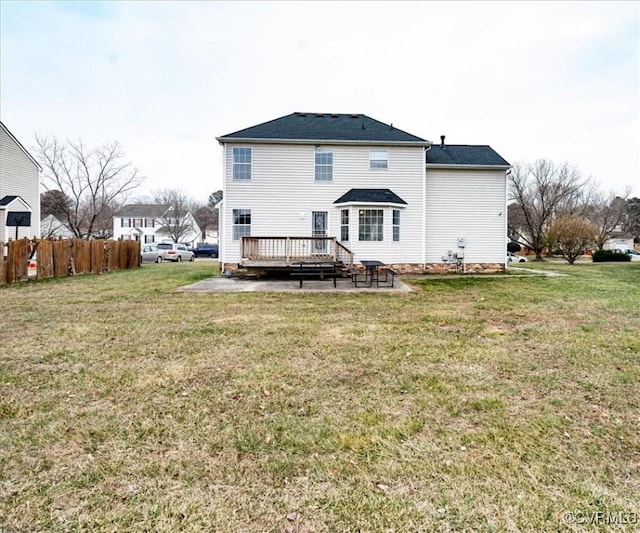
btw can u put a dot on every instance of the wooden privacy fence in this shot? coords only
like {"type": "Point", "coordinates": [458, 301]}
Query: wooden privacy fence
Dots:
{"type": "Point", "coordinates": [64, 257]}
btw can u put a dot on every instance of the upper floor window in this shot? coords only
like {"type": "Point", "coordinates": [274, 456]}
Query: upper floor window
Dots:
{"type": "Point", "coordinates": [241, 163]}
{"type": "Point", "coordinates": [324, 164]}
{"type": "Point", "coordinates": [379, 159]}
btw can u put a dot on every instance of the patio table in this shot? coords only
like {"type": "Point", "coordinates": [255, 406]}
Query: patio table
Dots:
{"type": "Point", "coordinates": [371, 271]}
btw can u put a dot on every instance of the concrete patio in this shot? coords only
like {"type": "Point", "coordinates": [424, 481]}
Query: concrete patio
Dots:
{"type": "Point", "coordinates": [223, 284]}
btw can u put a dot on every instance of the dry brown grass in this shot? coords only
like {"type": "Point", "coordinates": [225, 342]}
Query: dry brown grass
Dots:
{"type": "Point", "coordinates": [472, 404]}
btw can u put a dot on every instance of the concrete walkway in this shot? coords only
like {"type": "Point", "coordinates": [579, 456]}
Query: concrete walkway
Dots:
{"type": "Point", "coordinates": [548, 273]}
{"type": "Point", "coordinates": [222, 284]}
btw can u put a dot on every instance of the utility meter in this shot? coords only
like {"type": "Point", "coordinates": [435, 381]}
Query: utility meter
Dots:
{"type": "Point", "coordinates": [462, 242]}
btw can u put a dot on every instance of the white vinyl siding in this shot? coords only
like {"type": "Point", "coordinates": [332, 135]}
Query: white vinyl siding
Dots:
{"type": "Point", "coordinates": [469, 204]}
{"type": "Point", "coordinates": [283, 192]}
{"type": "Point", "coordinates": [19, 176]}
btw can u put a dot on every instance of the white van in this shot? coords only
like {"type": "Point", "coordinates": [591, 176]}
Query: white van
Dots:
{"type": "Point", "coordinates": [635, 255]}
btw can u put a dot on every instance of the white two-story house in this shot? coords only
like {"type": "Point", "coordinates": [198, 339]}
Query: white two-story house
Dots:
{"type": "Point", "coordinates": [382, 193]}
{"type": "Point", "coordinates": [152, 223]}
{"type": "Point", "coordinates": [19, 189]}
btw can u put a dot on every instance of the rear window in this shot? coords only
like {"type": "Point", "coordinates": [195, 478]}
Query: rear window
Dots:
{"type": "Point", "coordinates": [166, 246]}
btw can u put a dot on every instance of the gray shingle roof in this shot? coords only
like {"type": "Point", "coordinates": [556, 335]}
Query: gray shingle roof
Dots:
{"type": "Point", "coordinates": [142, 210]}
{"type": "Point", "coordinates": [6, 200]}
{"type": "Point", "coordinates": [371, 196]}
{"type": "Point", "coordinates": [325, 127]}
{"type": "Point", "coordinates": [464, 154]}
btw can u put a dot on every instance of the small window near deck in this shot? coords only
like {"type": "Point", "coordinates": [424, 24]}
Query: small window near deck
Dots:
{"type": "Point", "coordinates": [241, 223]}
{"type": "Point", "coordinates": [396, 225]}
{"type": "Point", "coordinates": [344, 225]}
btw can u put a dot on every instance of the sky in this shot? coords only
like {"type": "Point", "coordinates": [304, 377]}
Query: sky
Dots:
{"type": "Point", "coordinates": [534, 80]}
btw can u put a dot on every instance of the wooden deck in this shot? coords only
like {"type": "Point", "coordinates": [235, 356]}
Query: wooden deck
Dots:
{"type": "Point", "coordinates": [286, 252]}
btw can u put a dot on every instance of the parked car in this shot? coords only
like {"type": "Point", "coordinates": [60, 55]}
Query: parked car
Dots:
{"type": "Point", "coordinates": [206, 250]}
{"type": "Point", "coordinates": [172, 251]}
{"type": "Point", "coordinates": [513, 258]}
{"type": "Point", "coordinates": [151, 254]}
{"type": "Point", "coordinates": [634, 254]}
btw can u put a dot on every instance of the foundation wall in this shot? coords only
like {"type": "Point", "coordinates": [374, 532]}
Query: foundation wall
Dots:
{"type": "Point", "coordinates": [418, 269]}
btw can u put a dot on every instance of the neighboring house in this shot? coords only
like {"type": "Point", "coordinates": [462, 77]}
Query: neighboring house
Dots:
{"type": "Point", "coordinates": [381, 192]}
{"type": "Point", "coordinates": [52, 228]}
{"type": "Point", "coordinates": [210, 236]}
{"type": "Point", "coordinates": [619, 239]}
{"type": "Point", "coordinates": [19, 189]}
{"type": "Point", "coordinates": [147, 223]}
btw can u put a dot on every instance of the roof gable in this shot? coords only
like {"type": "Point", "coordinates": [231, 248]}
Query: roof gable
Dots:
{"type": "Point", "coordinates": [7, 200]}
{"type": "Point", "coordinates": [19, 145]}
{"type": "Point", "coordinates": [323, 127]}
{"type": "Point", "coordinates": [464, 154]}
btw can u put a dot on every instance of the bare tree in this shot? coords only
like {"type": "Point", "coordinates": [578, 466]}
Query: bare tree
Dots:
{"type": "Point", "coordinates": [214, 199]}
{"type": "Point", "coordinates": [177, 221]}
{"type": "Point", "coordinates": [631, 223]}
{"type": "Point", "coordinates": [607, 214]}
{"type": "Point", "coordinates": [54, 202]}
{"type": "Point", "coordinates": [92, 179]}
{"type": "Point", "coordinates": [572, 236]}
{"type": "Point", "coordinates": [543, 191]}
{"type": "Point", "coordinates": [516, 222]}
{"type": "Point", "coordinates": [103, 226]}
{"type": "Point", "coordinates": [206, 218]}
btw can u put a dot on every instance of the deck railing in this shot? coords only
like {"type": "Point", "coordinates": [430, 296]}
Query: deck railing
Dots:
{"type": "Point", "coordinates": [344, 255]}
{"type": "Point", "coordinates": [288, 250]}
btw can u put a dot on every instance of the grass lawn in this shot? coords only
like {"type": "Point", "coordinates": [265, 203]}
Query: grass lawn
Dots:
{"type": "Point", "coordinates": [472, 404]}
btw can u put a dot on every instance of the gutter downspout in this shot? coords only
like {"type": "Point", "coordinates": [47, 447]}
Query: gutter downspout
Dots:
{"type": "Point", "coordinates": [506, 215]}
{"type": "Point", "coordinates": [424, 208]}
{"type": "Point", "coordinates": [222, 210]}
